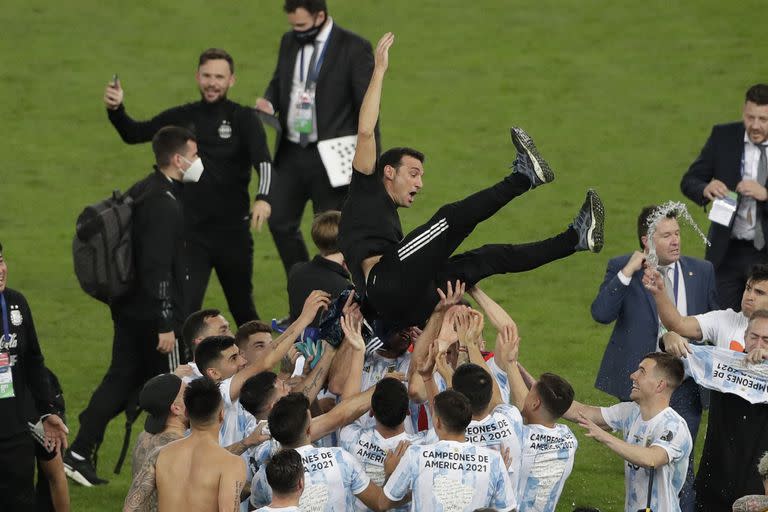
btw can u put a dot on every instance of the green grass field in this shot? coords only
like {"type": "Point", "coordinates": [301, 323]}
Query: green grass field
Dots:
{"type": "Point", "coordinates": [618, 95]}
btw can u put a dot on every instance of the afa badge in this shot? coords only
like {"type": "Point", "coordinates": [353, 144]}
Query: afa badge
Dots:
{"type": "Point", "coordinates": [225, 130]}
{"type": "Point", "coordinates": [16, 317]}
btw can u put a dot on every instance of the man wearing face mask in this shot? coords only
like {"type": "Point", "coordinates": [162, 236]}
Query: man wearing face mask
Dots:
{"type": "Point", "coordinates": [145, 319]}
{"type": "Point", "coordinates": [231, 141]}
{"type": "Point", "coordinates": [316, 91]}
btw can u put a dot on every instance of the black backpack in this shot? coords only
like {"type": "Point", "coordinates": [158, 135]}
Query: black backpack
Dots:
{"type": "Point", "coordinates": [102, 250]}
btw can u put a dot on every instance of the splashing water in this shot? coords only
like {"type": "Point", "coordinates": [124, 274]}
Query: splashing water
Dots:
{"type": "Point", "coordinates": [681, 212]}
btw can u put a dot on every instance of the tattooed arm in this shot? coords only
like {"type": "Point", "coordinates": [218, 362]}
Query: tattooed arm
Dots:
{"type": "Point", "coordinates": [313, 383]}
{"type": "Point", "coordinates": [142, 496]}
{"type": "Point", "coordinates": [231, 484]}
{"type": "Point", "coordinates": [753, 503]}
{"type": "Point", "coordinates": [255, 438]}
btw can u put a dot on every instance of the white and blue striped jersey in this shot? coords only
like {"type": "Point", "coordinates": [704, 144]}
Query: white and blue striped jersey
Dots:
{"type": "Point", "coordinates": [669, 431]}
{"type": "Point", "coordinates": [236, 419]}
{"type": "Point", "coordinates": [332, 478]}
{"type": "Point", "coordinates": [500, 376]}
{"type": "Point", "coordinates": [502, 428]}
{"type": "Point", "coordinates": [278, 509]}
{"type": "Point", "coordinates": [450, 476]}
{"type": "Point", "coordinates": [370, 448]}
{"type": "Point", "coordinates": [547, 461]}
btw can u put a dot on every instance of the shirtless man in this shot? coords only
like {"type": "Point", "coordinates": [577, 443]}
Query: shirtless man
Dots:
{"type": "Point", "coordinates": [194, 473]}
{"type": "Point", "coordinates": [399, 275]}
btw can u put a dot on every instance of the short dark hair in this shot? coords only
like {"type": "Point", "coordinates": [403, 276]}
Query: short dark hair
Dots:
{"type": "Point", "coordinates": [284, 471]}
{"type": "Point", "coordinates": [313, 6]}
{"type": "Point", "coordinates": [194, 325]}
{"type": "Point", "coordinates": [325, 232]}
{"type": "Point", "coordinates": [288, 419]}
{"type": "Point", "coordinates": [642, 221]}
{"type": "Point", "coordinates": [257, 391]}
{"type": "Point", "coordinates": [168, 141]}
{"type": "Point", "coordinates": [202, 400]}
{"type": "Point", "coordinates": [454, 410]}
{"type": "Point", "coordinates": [475, 383]}
{"type": "Point", "coordinates": [394, 157]}
{"type": "Point", "coordinates": [758, 273]}
{"type": "Point", "coordinates": [760, 314]}
{"type": "Point", "coordinates": [216, 54]}
{"type": "Point", "coordinates": [556, 394]}
{"type": "Point", "coordinates": [208, 352]}
{"type": "Point", "coordinates": [758, 94]}
{"type": "Point", "coordinates": [670, 367]}
{"type": "Point", "coordinates": [389, 402]}
{"type": "Point", "coordinates": [248, 328]}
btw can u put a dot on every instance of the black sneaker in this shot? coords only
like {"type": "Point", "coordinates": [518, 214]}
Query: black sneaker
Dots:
{"type": "Point", "coordinates": [538, 171]}
{"type": "Point", "coordinates": [81, 471]}
{"type": "Point", "coordinates": [590, 223]}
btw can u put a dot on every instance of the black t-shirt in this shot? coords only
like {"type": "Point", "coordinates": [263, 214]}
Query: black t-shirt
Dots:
{"type": "Point", "coordinates": [737, 436]}
{"type": "Point", "coordinates": [318, 274]}
{"type": "Point", "coordinates": [369, 224]}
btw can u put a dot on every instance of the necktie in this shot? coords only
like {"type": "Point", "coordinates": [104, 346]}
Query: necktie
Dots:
{"type": "Point", "coordinates": [666, 273]}
{"type": "Point", "coordinates": [762, 173]}
{"type": "Point", "coordinates": [309, 85]}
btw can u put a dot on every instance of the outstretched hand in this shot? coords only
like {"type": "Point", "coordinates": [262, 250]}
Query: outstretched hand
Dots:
{"type": "Point", "coordinates": [508, 344]}
{"type": "Point", "coordinates": [452, 296]}
{"type": "Point", "coordinates": [351, 324]}
{"type": "Point", "coordinates": [381, 57]}
{"type": "Point", "coordinates": [653, 281]}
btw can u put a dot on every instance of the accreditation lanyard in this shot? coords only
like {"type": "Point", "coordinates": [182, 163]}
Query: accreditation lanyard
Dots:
{"type": "Point", "coordinates": [314, 71]}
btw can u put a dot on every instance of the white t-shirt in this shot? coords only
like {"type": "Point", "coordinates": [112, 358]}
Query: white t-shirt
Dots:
{"type": "Point", "coordinates": [332, 478]}
{"type": "Point", "coordinates": [370, 448]}
{"type": "Point", "coordinates": [669, 431]}
{"type": "Point", "coordinates": [236, 419]}
{"type": "Point", "coordinates": [547, 462]}
{"type": "Point", "coordinates": [502, 428]}
{"type": "Point", "coordinates": [452, 476]}
{"type": "Point", "coordinates": [724, 328]}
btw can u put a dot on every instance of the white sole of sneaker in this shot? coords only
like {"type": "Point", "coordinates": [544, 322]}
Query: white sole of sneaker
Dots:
{"type": "Point", "coordinates": [76, 476]}
{"type": "Point", "coordinates": [592, 226]}
{"type": "Point", "coordinates": [536, 166]}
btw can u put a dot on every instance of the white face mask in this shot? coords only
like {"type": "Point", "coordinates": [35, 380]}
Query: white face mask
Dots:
{"type": "Point", "coordinates": [193, 172]}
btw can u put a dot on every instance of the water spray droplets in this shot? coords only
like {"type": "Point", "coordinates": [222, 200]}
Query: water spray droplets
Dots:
{"type": "Point", "coordinates": [680, 211]}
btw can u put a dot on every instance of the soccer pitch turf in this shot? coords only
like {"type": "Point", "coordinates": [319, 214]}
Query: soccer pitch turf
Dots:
{"type": "Point", "coordinates": [619, 96]}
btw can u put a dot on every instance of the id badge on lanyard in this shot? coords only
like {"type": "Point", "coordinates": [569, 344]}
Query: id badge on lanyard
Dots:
{"type": "Point", "coordinates": [305, 110]}
{"type": "Point", "coordinates": [6, 372]}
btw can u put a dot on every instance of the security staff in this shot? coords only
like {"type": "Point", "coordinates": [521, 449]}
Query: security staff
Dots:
{"type": "Point", "coordinates": [231, 140]}
{"type": "Point", "coordinates": [317, 89]}
{"type": "Point", "coordinates": [145, 319]}
{"type": "Point", "coordinates": [21, 370]}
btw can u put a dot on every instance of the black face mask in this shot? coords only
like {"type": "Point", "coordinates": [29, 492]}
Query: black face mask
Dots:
{"type": "Point", "coordinates": [307, 36]}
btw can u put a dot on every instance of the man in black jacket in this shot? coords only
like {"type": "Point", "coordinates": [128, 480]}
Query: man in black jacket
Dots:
{"type": "Point", "coordinates": [317, 89]}
{"type": "Point", "coordinates": [21, 370]}
{"type": "Point", "coordinates": [231, 140]}
{"type": "Point", "coordinates": [146, 318]}
{"type": "Point", "coordinates": [734, 161]}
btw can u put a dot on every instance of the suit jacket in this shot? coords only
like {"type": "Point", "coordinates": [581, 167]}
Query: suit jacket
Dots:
{"type": "Point", "coordinates": [720, 159]}
{"type": "Point", "coordinates": [637, 319]}
{"type": "Point", "coordinates": [341, 84]}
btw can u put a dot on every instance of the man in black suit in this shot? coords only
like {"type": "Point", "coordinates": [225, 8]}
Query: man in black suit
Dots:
{"type": "Point", "coordinates": [318, 86]}
{"type": "Point", "coordinates": [734, 159]}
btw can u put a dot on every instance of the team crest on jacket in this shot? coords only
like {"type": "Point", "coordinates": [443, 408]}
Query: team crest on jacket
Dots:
{"type": "Point", "coordinates": [16, 317]}
{"type": "Point", "coordinates": [225, 130]}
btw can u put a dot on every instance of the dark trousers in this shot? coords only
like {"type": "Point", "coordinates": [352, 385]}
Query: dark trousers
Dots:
{"type": "Point", "coordinates": [731, 275]}
{"type": "Point", "coordinates": [298, 177]}
{"type": "Point", "coordinates": [402, 286]}
{"type": "Point", "coordinates": [230, 253]}
{"type": "Point", "coordinates": [686, 400]}
{"type": "Point", "coordinates": [17, 473]}
{"type": "Point", "coordinates": [134, 361]}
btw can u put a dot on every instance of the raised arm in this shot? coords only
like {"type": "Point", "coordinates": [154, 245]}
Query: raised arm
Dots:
{"type": "Point", "coordinates": [686, 326]}
{"type": "Point", "coordinates": [644, 456]}
{"type": "Point", "coordinates": [365, 152]}
{"type": "Point", "coordinates": [507, 351]}
{"type": "Point", "coordinates": [469, 327]}
{"type": "Point", "coordinates": [343, 414]}
{"type": "Point", "coordinates": [495, 313]}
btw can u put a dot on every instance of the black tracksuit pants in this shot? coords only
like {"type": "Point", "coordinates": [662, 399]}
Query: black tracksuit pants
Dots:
{"type": "Point", "coordinates": [135, 360]}
{"type": "Point", "coordinates": [402, 286]}
{"type": "Point", "coordinates": [230, 253]}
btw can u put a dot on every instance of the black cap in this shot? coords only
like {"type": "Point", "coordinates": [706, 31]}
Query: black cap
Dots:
{"type": "Point", "coordinates": [156, 398]}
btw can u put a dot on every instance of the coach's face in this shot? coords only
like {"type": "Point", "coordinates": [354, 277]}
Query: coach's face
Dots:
{"type": "Point", "coordinates": [756, 335]}
{"type": "Point", "coordinates": [755, 297]}
{"type": "Point", "coordinates": [404, 182]}
{"type": "Point", "coordinates": [667, 241]}
{"type": "Point", "coordinates": [214, 78]}
{"type": "Point", "coordinates": [3, 273]}
{"type": "Point", "coordinates": [756, 122]}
